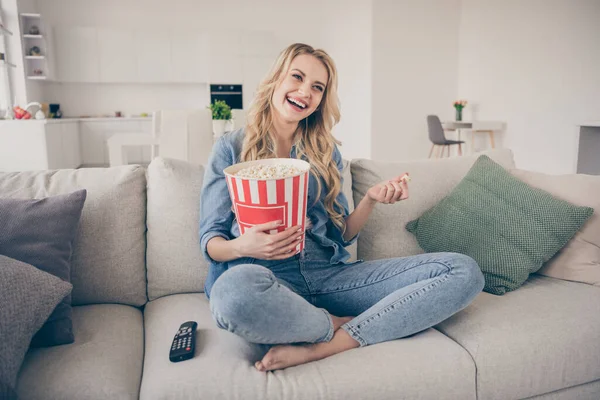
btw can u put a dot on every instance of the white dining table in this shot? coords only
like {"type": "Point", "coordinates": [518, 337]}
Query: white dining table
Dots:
{"type": "Point", "coordinates": [488, 127]}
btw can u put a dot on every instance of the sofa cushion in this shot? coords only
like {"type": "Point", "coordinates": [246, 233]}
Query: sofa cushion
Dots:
{"type": "Point", "coordinates": [579, 260]}
{"type": "Point", "coordinates": [507, 226]}
{"type": "Point", "coordinates": [41, 232]}
{"type": "Point", "coordinates": [384, 236]}
{"type": "Point", "coordinates": [6, 391]}
{"type": "Point", "coordinates": [174, 258]}
{"type": "Point", "coordinates": [587, 391]}
{"type": "Point", "coordinates": [421, 366]}
{"type": "Point", "coordinates": [107, 265]}
{"type": "Point", "coordinates": [105, 362]}
{"type": "Point", "coordinates": [540, 338]}
{"type": "Point", "coordinates": [27, 297]}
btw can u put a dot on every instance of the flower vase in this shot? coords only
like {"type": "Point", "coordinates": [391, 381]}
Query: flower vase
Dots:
{"type": "Point", "coordinates": [219, 127]}
{"type": "Point", "coordinates": [459, 114]}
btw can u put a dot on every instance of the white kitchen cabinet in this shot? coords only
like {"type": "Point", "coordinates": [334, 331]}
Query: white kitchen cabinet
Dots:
{"type": "Point", "coordinates": [260, 43]}
{"type": "Point", "coordinates": [63, 145]}
{"type": "Point", "coordinates": [160, 55]}
{"type": "Point", "coordinates": [117, 58]}
{"type": "Point", "coordinates": [225, 58]}
{"type": "Point", "coordinates": [95, 134]}
{"type": "Point", "coordinates": [226, 43]}
{"type": "Point", "coordinates": [189, 56]}
{"type": "Point", "coordinates": [93, 146]}
{"type": "Point", "coordinates": [34, 145]}
{"type": "Point", "coordinates": [153, 55]}
{"type": "Point", "coordinates": [226, 69]}
{"type": "Point", "coordinates": [77, 54]}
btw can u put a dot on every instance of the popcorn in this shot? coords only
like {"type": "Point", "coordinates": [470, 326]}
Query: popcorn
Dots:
{"type": "Point", "coordinates": [262, 171]}
{"type": "Point", "coordinates": [274, 189]}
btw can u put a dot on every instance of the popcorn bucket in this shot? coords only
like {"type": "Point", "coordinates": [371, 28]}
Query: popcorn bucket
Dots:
{"type": "Point", "coordinates": [261, 200]}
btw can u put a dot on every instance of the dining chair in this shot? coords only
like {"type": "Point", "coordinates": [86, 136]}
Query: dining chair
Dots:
{"type": "Point", "coordinates": [239, 118]}
{"type": "Point", "coordinates": [185, 134]}
{"type": "Point", "coordinates": [438, 138]}
{"type": "Point", "coordinates": [180, 134]}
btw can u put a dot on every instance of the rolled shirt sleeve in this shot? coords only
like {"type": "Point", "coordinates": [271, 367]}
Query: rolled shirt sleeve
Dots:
{"type": "Point", "coordinates": [333, 230]}
{"type": "Point", "coordinates": [216, 216]}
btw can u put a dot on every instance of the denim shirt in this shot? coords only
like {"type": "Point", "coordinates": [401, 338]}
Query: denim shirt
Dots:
{"type": "Point", "coordinates": [217, 218]}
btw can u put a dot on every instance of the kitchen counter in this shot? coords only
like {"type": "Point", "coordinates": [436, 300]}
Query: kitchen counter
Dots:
{"type": "Point", "coordinates": [66, 120]}
{"type": "Point", "coordinates": [66, 142]}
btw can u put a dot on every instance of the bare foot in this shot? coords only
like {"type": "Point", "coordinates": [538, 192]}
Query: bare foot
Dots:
{"type": "Point", "coordinates": [284, 356]}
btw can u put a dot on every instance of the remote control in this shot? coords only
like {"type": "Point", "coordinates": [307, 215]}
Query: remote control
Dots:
{"type": "Point", "coordinates": [184, 342]}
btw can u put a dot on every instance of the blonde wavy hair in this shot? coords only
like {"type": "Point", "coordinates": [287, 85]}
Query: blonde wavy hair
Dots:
{"type": "Point", "coordinates": [314, 140]}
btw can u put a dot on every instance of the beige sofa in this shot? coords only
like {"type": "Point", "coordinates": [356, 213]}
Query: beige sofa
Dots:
{"type": "Point", "coordinates": [138, 274]}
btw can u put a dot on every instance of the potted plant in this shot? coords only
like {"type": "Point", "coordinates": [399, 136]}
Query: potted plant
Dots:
{"type": "Point", "coordinates": [221, 115]}
{"type": "Point", "coordinates": [459, 105]}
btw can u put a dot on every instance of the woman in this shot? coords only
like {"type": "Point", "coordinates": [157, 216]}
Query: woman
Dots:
{"type": "Point", "coordinates": [314, 304]}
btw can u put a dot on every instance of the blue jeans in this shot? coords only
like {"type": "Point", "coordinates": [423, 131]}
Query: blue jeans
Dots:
{"type": "Point", "coordinates": [290, 301]}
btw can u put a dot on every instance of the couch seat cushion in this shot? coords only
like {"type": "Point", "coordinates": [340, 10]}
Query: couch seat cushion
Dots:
{"type": "Point", "coordinates": [422, 366]}
{"type": "Point", "coordinates": [104, 362]}
{"type": "Point", "coordinates": [542, 337]}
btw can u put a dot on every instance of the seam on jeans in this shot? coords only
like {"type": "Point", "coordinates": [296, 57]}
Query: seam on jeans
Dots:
{"type": "Point", "coordinates": [306, 280]}
{"type": "Point", "coordinates": [470, 355]}
{"type": "Point", "coordinates": [343, 289]}
{"type": "Point", "coordinates": [403, 300]}
{"type": "Point", "coordinates": [353, 334]}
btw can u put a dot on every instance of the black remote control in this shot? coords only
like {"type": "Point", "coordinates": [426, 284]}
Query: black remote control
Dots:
{"type": "Point", "coordinates": [184, 342]}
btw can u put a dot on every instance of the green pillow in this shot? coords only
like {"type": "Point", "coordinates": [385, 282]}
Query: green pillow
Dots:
{"type": "Point", "coordinates": [510, 228]}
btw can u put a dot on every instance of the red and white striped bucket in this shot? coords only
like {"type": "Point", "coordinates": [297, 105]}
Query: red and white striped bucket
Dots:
{"type": "Point", "coordinates": [258, 201]}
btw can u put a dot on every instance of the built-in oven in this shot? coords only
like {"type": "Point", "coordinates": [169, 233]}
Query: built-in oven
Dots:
{"type": "Point", "coordinates": [231, 94]}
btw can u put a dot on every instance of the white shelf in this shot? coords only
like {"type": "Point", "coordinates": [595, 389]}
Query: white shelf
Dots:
{"type": "Point", "coordinates": [36, 77]}
{"type": "Point", "coordinates": [35, 57]}
{"type": "Point", "coordinates": [31, 15]}
{"type": "Point", "coordinates": [4, 31]}
{"type": "Point", "coordinates": [28, 36]}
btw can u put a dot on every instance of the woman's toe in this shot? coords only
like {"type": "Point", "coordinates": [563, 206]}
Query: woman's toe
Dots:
{"type": "Point", "coordinates": [259, 366]}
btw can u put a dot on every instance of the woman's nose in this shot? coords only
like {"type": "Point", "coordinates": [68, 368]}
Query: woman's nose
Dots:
{"type": "Point", "coordinates": [304, 89]}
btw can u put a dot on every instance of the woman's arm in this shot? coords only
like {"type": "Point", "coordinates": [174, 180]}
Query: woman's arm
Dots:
{"type": "Point", "coordinates": [222, 250]}
{"type": "Point", "coordinates": [216, 216]}
{"type": "Point", "coordinates": [386, 192]}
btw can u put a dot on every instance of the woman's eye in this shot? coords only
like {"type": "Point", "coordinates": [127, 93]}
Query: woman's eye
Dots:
{"type": "Point", "coordinates": [297, 77]}
{"type": "Point", "coordinates": [319, 88]}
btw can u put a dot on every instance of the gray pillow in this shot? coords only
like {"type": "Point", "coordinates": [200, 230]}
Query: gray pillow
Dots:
{"type": "Point", "coordinates": [7, 392]}
{"type": "Point", "coordinates": [27, 298]}
{"type": "Point", "coordinates": [41, 233]}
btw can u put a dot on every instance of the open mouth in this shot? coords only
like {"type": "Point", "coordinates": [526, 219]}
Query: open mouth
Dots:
{"type": "Point", "coordinates": [296, 104]}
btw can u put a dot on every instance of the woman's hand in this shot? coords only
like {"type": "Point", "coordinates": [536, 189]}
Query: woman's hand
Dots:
{"type": "Point", "coordinates": [256, 242]}
{"type": "Point", "coordinates": [389, 192]}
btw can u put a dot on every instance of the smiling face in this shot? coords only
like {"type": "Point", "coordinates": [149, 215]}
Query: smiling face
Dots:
{"type": "Point", "coordinates": [301, 89]}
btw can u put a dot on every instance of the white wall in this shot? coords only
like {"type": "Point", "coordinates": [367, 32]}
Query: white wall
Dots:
{"type": "Point", "coordinates": [415, 71]}
{"type": "Point", "coordinates": [536, 65]}
{"type": "Point", "coordinates": [343, 28]}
